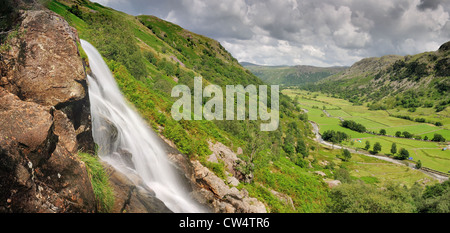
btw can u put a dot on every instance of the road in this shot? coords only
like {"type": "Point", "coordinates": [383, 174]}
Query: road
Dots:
{"type": "Point", "coordinates": [319, 139]}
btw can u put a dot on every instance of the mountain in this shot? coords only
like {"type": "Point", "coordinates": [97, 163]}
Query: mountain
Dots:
{"type": "Point", "coordinates": [411, 81]}
{"type": "Point", "coordinates": [292, 75]}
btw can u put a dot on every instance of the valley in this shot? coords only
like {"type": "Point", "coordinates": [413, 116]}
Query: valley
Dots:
{"type": "Point", "coordinates": [328, 112]}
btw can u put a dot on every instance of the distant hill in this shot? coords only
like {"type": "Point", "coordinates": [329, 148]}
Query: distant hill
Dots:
{"type": "Point", "coordinates": [411, 81]}
{"type": "Point", "coordinates": [291, 75]}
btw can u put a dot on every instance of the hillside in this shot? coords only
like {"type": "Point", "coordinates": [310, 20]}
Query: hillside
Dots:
{"type": "Point", "coordinates": [292, 75]}
{"type": "Point", "coordinates": [388, 82]}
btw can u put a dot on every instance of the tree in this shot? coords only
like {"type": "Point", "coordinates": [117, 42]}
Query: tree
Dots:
{"type": "Point", "coordinates": [301, 148]}
{"type": "Point", "coordinates": [382, 131]}
{"type": "Point", "coordinates": [438, 138]}
{"type": "Point", "coordinates": [407, 134]}
{"type": "Point", "coordinates": [398, 134]}
{"type": "Point", "coordinates": [394, 148]}
{"type": "Point", "coordinates": [403, 154]}
{"type": "Point", "coordinates": [376, 147]}
{"type": "Point", "coordinates": [419, 164]}
{"type": "Point", "coordinates": [346, 155]}
{"type": "Point", "coordinates": [367, 145]}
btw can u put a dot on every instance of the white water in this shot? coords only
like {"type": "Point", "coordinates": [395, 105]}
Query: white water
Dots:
{"type": "Point", "coordinates": [120, 132]}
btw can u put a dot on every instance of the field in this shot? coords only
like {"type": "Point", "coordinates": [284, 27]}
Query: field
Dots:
{"type": "Point", "coordinates": [328, 112]}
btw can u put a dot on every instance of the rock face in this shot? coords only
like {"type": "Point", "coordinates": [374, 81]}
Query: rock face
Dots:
{"type": "Point", "coordinates": [213, 192]}
{"type": "Point", "coordinates": [44, 119]}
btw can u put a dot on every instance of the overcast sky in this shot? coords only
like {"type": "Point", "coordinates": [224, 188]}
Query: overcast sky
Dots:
{"type": "Point", "coordinates": [306, 32]}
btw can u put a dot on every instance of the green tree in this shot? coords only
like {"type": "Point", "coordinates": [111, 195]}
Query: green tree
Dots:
{"type": "Point", "coordinates": [419, 164]}
{"type": "Point", "coordinates": [403, 154]}
{"type": "Point", "coordinates": [301, 148]}
{"type": "Point", "coordinates": [382, 131]}
{"type": "Point", "coordinates": [393, 148]}
{"type": "Point", "coordinates": [367, 145]}
{"type": "Point", "coordinates": [438, 138]}
{"type": "Point", "coordinates": [398, 134]}
{"type": "Point", "coordinates": [376, 147]}
{"type": "Point", "coordinates": [346, 155]}
{"type": "Point", "coordinates": [407, 134]}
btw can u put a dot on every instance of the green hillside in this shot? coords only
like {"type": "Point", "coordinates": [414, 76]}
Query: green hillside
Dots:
{"type": "Point", "coordinates": [292, 75]}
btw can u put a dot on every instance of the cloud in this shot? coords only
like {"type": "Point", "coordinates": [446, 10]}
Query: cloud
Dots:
{"type": "Point", "coordinates": [293, 32]}
{"type": "Point", "coordinates": [428, 4]}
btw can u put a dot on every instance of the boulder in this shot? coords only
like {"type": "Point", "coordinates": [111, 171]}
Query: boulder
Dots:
{"type": "Point", "coordinates": [332, 183]}
{"type": "Point", "coordinates": [44, 119]}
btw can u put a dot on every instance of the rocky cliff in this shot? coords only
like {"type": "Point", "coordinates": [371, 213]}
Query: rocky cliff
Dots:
{"type": "Point", "coordinates": [44, 118]}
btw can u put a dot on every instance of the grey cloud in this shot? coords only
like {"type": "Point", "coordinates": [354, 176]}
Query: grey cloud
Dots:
{"type": "Point", "coordinates": [428, 4]}
{"type": "Point", "coordinates": [321, 32]}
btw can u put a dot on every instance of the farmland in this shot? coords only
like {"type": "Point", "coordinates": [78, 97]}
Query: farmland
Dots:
{"type": "Point", "coordinates": [328, 112]}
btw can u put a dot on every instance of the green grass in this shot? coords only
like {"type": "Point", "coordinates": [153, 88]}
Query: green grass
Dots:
{"type": "Point", "coordinates": [103, 191]}
{"type": "Point", "coordinates": [430, 153]}
{"type": "Point", "coordinates": [374, 171]}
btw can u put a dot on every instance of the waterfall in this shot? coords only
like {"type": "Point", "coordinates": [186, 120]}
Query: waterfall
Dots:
{"type": "Point", "coordinates": [127, 143]}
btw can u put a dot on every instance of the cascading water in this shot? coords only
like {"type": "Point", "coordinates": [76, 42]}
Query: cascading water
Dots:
{"type": "Point", "coordinates": [126, 142]}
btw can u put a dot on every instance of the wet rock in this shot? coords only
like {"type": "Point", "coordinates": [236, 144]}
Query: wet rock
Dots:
{"type": "Point", "coordinates": [132, 198]}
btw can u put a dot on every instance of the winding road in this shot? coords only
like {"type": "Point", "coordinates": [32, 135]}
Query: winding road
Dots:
{"type": "Point", "coordinates": [319, 139]}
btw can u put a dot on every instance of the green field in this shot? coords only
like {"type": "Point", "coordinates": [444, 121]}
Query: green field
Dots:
{"type": "Point", "coordinates": [431, 154]}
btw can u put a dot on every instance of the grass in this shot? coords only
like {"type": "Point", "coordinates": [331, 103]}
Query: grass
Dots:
{"type": "Point", "coordinates": [429, 153]}
{"type": "Point", "coordinates": [374, 171]}
{"type": "Point", "coordinates": [100, 182]}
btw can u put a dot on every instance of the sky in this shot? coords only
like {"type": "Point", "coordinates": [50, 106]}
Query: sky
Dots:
{"type": "Point", "coordinates": [306, 32]}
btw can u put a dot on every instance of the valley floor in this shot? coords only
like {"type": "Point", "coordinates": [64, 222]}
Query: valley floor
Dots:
{"type": "Point", "coordinates": [327, 112]}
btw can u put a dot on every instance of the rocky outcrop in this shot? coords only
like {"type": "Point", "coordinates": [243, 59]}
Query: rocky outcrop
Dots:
{"type": "Point", "coordinates": [44, 119]}
{"type": "Point", "coordinates": [207, 188]}
{"type": "Point", "coordinates": [213, 191]}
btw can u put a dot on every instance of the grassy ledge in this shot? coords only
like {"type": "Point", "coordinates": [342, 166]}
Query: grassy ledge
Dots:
{"type": "Point", "coordinates": [100, 183]}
